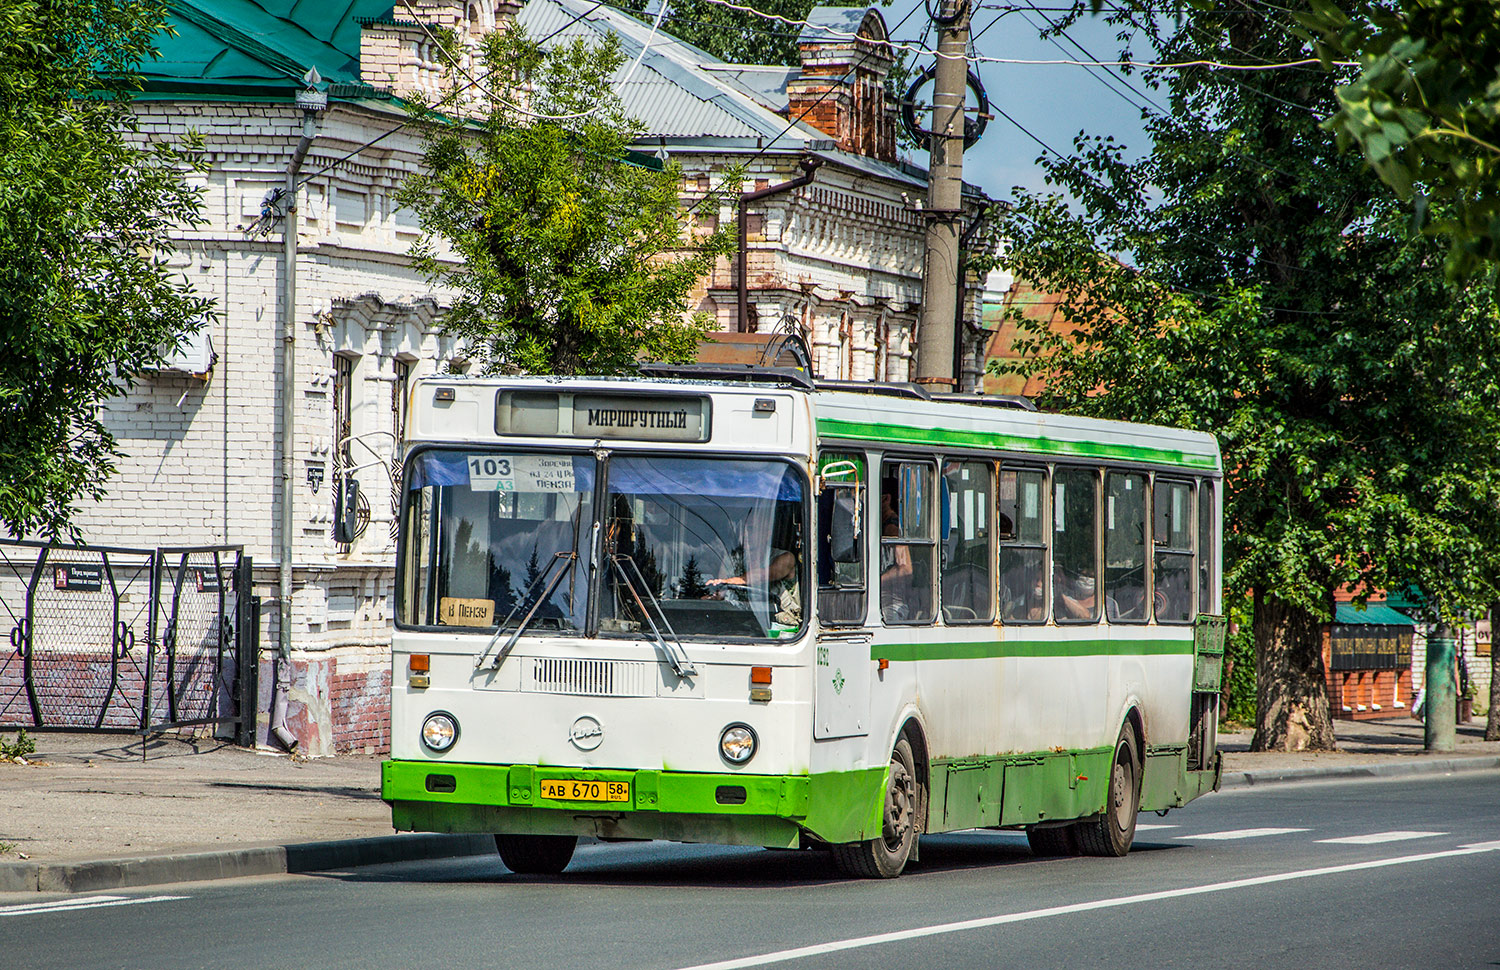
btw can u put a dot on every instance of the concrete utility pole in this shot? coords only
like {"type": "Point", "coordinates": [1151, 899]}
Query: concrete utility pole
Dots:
{"type": "Point", "coordinates": [936, 333]}
{"type": "Point", "coordinates": [1440, 716]}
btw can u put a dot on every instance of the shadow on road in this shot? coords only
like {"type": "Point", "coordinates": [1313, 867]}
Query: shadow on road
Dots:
{"type": "Point", "coordinates": [673, 866]}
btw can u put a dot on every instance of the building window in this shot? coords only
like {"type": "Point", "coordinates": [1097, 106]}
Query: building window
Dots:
{"type": "Point", "coordinates": [343, 431]}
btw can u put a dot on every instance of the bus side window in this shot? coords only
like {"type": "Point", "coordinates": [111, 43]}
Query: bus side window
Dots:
{"type": "Point", "coordinates": [841, 540]}
{"type": "Point", "coordinates": [908, 547]}
{"type": "Point", "coordinates": [1207, 578]}
{"type": "Point", "coordinates": [1023, 545]}
{"type": "Point", "coordinates": [1172, 535]}
{"type": "Point", "coordinates": [1125, 548]}
{"type": "Point", "coordinates": [968, 579]}
{"type": "Point", "coordinates": [1075, 545]}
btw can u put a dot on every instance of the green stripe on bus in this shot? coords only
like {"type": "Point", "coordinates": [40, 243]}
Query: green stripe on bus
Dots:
{"type": "Point", "coordinates": [834, 428]}
{"type": "Point", "coordinates": [994, 649]}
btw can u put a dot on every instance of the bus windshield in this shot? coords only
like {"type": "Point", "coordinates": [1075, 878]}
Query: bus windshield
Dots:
{"type": "Point", "coordinates": [716, 543]}
{"type": "Point", "coordinates": [705, 547]}
{"type": "Point", "coordinates": [490, 536]}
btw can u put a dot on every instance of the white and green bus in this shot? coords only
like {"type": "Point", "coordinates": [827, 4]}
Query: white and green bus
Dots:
{"type": "Point", "coordinates": [742, 607]}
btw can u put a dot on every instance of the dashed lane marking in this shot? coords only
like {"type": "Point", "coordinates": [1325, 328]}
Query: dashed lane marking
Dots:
{"type": "Point", "coordinates": [87, 902]}
{"type": "Point", "coordinates": [1239, 834]}
{"type": "Point", "coordinates": [1376, 838]}
{"type": "Point", "coordinates": [882, 939]}
{"type": "Point", "coordinates": [1150, 827]}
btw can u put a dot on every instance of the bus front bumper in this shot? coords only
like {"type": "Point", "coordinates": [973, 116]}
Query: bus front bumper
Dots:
{"type": "Point", "coordinates": [730, 809]}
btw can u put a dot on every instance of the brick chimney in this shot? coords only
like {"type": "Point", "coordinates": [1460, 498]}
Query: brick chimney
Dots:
{"type": "Point", "coordinates": [398, 55]}
{"type": "Point", "coordinates": [842, 85]}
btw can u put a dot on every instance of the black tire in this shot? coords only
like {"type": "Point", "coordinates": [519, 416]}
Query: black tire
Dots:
{"type": "Point", "coordinates": [1111, 832]}
{"type": "Point", "coordinates": [1054, 840]}
{"type": "Point", "coordinates": [536, 855]}
{"type": "Point", "coordinates": [886, 856]}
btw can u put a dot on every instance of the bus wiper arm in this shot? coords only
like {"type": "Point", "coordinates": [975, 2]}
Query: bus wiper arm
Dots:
{"type": "Point", "coordinates": [682, 664]}
{"type": "Point", "coordinates": [570, 557]}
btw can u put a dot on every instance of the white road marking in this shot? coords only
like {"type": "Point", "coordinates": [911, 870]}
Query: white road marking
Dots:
{"type": "Point", "coordinates": [1240, 834]}
{"type": "Point", "coordinates": [87, 902]}
{"type": "Point", "coordinates": [880, 939]}
{"type": "Point", "coordinates": [1378, 837]}
{"type": "Point", "coordinates": [1148, 827]}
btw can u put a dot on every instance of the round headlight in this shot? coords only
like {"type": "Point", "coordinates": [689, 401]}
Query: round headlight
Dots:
{"type": "Point", "coordinates": [439, 731]}
{"type": "Point", "coordinates": [737, 743]}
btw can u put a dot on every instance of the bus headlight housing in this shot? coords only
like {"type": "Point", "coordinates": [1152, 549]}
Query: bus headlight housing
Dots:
{"type": "Point", "coordinates": [439, 731]}
{"type": "Point", "coordinates": [738, 743]}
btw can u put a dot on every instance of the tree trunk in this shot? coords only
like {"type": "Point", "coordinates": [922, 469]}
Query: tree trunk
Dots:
{"type": "Point", "coordinates": [1492, 721]}
{"type": "Point", "coordinates": [1292, 712]}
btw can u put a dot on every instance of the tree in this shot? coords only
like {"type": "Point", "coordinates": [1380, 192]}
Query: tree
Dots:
{"type": "Point", "coordinates": [1276, 298]}
{"type": "Point", "coordinates": [87, 300]}
{"type": "Point", "coordinates": [1425, 109]}
{"type": "Point", "coordinates": [691, 586]}
{"type": "Point", "coordinates": [574, 255]}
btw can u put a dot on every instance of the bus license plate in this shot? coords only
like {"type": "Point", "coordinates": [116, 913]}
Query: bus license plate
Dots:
{"type": "Point", "coordinates": [570, 790]}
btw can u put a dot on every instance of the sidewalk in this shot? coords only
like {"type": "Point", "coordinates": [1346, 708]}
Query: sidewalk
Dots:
{"type": "Point", "coordinates": [89, 813]}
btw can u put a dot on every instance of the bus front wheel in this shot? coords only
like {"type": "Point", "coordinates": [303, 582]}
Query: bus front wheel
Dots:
{"type": "Point", "coordinates": [884, 857]}
{"type": "Point", "coordinates": [536, 855]}
{"type": "Point", "coordinates": [1111, 832]}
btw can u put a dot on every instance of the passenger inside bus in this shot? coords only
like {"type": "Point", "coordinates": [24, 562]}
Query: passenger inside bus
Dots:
{"type": "Point", "coordinates": [779, 577]}
{"type": "Point", "coordinates": [897, 589]}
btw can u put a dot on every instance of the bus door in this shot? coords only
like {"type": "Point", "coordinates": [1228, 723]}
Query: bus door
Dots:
{"type": "Point", "coordinates": [841, 704]}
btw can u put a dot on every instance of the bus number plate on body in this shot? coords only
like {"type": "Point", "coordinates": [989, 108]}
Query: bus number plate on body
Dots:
{"type": "Point", "coordinates": [586, 791]}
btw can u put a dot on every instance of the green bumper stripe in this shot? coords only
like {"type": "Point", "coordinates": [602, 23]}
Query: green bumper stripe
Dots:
{"type": "Point", "coordinates": [991, 649]}
{"type": "Point", "coordinates": [833, 428]}
{"type": "Point", "coordinates": [837, 806]}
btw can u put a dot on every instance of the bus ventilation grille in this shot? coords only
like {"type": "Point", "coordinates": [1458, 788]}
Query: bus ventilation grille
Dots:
{"type": "Point", "coordinates": [608, 678]}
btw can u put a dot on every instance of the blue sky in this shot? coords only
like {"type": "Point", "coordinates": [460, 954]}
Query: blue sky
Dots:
{"type": "Point", "coordinates": [1052, 102]}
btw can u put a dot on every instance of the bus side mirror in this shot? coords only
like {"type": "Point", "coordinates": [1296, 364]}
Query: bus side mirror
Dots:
{"type": "Point", "coordinates": [345, 510]}
{"type": "Point", "coordinates": [843, 526]}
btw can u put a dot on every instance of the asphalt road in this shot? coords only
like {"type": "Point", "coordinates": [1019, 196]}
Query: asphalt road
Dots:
{"type": "Point", "coordinates": [1402, 873]}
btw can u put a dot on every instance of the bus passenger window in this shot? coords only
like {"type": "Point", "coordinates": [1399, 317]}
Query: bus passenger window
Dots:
{"type": "Point", "coordinates": [1172, 535]}
{"type": "Point", "coordinates": [841, 539]}
{"type": "Point", "coordinates": [1075, 546]}
{"type": "Point", "coordinates": [1125, 548]}
{"type": "Point", "coordinates": [1023, 546]}
{"type": "Point", "coordinates": [907, 548]}
{"type": "Point", "coordinates": [968, 561]}
{"type": "Point", "coordinates": [1208, 580]}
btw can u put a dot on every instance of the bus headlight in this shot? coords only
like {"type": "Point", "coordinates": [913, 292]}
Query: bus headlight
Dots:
{"type": "Point", "coordinates": [737, 743]}
{"type": "Point", "coordinates": [439, 731]}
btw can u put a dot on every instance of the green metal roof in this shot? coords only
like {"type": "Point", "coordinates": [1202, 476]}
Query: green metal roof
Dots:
{"type": "Point", "coordinates": [1373, 614]}
{"type": "Point", "coordinates": [238, 48]}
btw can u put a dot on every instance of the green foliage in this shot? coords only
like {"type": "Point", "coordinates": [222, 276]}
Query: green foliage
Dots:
{"type": "Point", "coordinates": [572, 258]}
{"type": "Point", "coordinates": [86, 297]}
{"type": "Point", "coordinates": [1239, 664]}
{"type": "Point", "coordinates": [1276, 298]}
{"type": "Point", "coordinates": [23, 746]}
{"type": "Point", "coordinates": [1425, 109]}
{"type": "Point", "coordinates": [733, 35]}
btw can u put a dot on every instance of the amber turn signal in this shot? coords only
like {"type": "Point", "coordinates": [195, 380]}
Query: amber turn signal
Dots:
{"type": "Point", "coordinates": [760, 675]}
{"type": "Point", "coordinates": [420, 663]}
{"type": "Point", "coordinates": [884, 664]}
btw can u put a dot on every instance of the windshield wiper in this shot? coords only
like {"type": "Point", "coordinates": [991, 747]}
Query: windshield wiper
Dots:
{"type": "Point", "coordinates": [682, 664]}
{"type": "Point", "coordinates": [570, 557]}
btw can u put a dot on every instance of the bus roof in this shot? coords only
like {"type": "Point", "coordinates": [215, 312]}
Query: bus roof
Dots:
{"type": "Point", "coordinates": [883, 420]}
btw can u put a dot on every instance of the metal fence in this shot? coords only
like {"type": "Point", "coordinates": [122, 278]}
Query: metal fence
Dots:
{"type": "Point", "coordinates": [106, 638]}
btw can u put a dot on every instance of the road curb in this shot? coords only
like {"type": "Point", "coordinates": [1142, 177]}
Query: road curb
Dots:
{"type": "Point", "coordinates": [123, 873]}
{"type": "Point", "coordinates": [1382, 769]}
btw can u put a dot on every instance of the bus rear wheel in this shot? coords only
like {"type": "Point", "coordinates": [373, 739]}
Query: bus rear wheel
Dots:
{"type": "Point", "coordinates": [886, 856]}
{"type": "Point", "coordinates": [536, 855]}
{"type": "Point", "coordinates": [1111, 832]}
